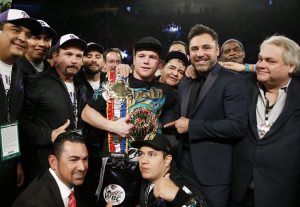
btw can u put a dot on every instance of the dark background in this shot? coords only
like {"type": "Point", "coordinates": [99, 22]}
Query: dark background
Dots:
{"type": "Point", "coordinates": [110, 23]}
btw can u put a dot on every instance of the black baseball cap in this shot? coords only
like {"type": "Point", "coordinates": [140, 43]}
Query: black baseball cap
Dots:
{"type": "Point", "coordinates": [21, 18]}
{"type": "Point", "coordinates": [177, 55]}
{"type": "Point", "coordinates": [92, 46]}
{"type": "Point", "coordinates": [155, 141]}
{"type": "Point", "coordinates": [148, 43]}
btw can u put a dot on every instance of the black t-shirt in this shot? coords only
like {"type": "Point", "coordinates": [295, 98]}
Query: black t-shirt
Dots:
{"type": "Point", "coordinates": [98, 103]}
{"type": "Point", "coordinates": [160, 97]}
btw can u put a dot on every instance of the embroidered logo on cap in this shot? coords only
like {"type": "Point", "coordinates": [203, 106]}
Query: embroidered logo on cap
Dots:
{"type": "Point", "coordinates": [73, 36]}
{"type": "Point", "coordinates": [25, 15]}
{"type": "Point", "coordinates": [42, 23]}
{"type": "Point", "coordinates": [150, 136]}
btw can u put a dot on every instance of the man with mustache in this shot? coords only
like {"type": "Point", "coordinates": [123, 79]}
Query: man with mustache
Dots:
{"type": "Point", "coordinates": [92, 77]}
{"type": "Point", "coordinates": [232, 51]}
{"type": "Point", "coordinates": [112, 58]}
{"type": "Point", "coordinates": [34, 60]}
{"type": "Point", "coordinates": [213, 110]}
{"type": "Point", "coordinates": [56, 187]}
{"type": "Point", "coordinates": [16, 28]}
{"type": "Point", "coordinates": [232, 55]}
{"type": "Point", "coordinates": [53, 103]}
{"type": "Point", "coordinates": [93, 63]}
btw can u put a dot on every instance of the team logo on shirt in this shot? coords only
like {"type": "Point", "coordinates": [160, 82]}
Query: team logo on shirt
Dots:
{"type": "Point", "coordinates": [115, 193]}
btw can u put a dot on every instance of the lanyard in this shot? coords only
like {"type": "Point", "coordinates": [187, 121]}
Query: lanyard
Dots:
{"type": "Point", "coordinates": [8, 105]}
{"type": "Point", "coordinates": [74, 105]}
{"type": "Point", "coordinates": [268, 109]}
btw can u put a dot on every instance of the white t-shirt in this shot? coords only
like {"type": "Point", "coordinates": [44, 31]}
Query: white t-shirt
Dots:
{"type": "Point", "coordinates": [72, 94]}
{"type": "Point", "coordinates": [95, 84]}
{"type": "Point", "coordinates": [5, 75]}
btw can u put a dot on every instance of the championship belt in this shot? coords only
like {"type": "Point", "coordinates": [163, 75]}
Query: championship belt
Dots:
{"type": "Point", "coordinates": [117, 95]}
{"type": "Point", "coordinates": [145, 121]}
{"type": "Point", "coordinates": [143, 113]}
{"type": "Point", "coordinates": [120, 176]}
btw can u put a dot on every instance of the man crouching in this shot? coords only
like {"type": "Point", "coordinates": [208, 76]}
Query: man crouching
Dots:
{"type": "Point", "coordinates": [163, 185]}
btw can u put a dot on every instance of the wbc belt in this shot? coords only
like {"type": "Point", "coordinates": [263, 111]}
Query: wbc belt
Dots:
{"type": "Point", "coordinates": [142, 106]}
{"type": "Point", "coordinates": [117, 94]}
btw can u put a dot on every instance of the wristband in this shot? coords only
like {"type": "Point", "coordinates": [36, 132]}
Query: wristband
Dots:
{"type": "Point", "coordinates": [247, 67]}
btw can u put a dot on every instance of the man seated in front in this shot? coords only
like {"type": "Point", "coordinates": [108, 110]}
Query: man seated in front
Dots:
{"type": "Point", "coordinates": [55, 187]}
{"type": "Point", "coordinates": [163, 184]}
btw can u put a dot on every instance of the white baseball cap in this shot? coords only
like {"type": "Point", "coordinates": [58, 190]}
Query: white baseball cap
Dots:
{"type": "Point", "coordinates": [21, 18]}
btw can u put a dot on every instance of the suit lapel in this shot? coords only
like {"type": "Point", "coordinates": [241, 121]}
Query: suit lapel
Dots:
{"type": "Point", "coordinates": [54, 189]}
{"type": "Point", "coordinates": [253, 94]}
{"type": "Point", "coordinates": [288, 109]}
{"type": "Point", "coordinates": [186, 93]}
{"type": "Point", "coordinates": [211, 78]}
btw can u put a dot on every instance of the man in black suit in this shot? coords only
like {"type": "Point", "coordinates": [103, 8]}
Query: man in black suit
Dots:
{"type": "Point", "coordinates": [213, 110]}
{"type": "Point", "coordinates": [266, 161]}
{"type": "Point", "coordinates": [68, 166]}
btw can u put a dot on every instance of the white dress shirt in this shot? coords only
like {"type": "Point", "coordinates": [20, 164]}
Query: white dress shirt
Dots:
{"type": "Point", "coordinates": [63, 188]}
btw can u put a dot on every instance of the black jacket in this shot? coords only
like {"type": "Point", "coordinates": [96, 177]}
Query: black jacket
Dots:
{"type": "Point", "coordinates": [43, 191]}
{"type": "Point", "coordinates": [82, 78]}
{"type": "Point", "coordinates": [273, 161]}
{"type": "Point", "coordinates": [181, 197]}
{"type": "Point", "coordinates": [217, 122]}
{"type": "Point", "coordinates": [47, 106]}
{"type": "Point", "coordinates": [94, 136]}
{"type": "Point", "coordinates": [16, 97]}
{"type": "Point", "coordinates": [27, 68]}
{"type": "Point", "coordinates": [8, 168]}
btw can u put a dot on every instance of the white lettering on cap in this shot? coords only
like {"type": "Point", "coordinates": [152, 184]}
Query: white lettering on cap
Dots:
{"type": "Point", "coordinates": [73, 36]}
{"type": "Point", "coordinates": [67, 37]}
{"type": "Point", "coordinates": [14, 14]}
{"type": "Point", "coordinates": [44, 24]}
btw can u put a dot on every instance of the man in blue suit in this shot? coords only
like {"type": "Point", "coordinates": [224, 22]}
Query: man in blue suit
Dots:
{"type": "Point", "coordinates": [213, 117]}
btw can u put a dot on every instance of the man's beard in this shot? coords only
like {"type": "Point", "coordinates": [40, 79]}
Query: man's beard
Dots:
{"type": "Point", "coordinates": [90, 72]}
{"type": "Point", "coordinates": [71, 74]}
